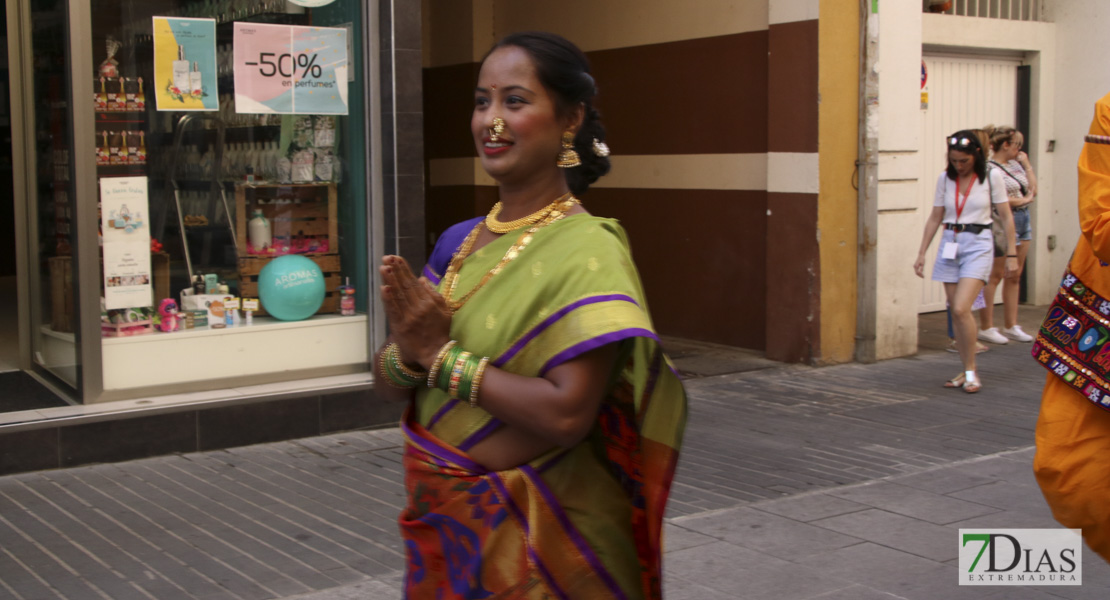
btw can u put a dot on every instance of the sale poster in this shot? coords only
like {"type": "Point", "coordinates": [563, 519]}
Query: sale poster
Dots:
{"type": "Point", "coordinates": [290, 69]}
{"type": "Point", "coordinates": [126, 227]}
{"type": "Point", "coordinates": [185, 64]}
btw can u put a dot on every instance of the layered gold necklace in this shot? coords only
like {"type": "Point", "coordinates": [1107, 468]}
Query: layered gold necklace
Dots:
{"type": "Point", "coordinates": [497, 226]}
{"type": "Point", "coordinates": [553, 212]}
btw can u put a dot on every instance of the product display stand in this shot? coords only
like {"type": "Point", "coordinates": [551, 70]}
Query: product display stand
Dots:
{"type": "Point", "coordinates": [218, 150]}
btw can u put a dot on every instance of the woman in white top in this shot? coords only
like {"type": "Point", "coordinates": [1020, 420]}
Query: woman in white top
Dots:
{"type": "Point", "coordinates": [962, 203]}
{"type": "Point", "coordinates": [1021, 188]}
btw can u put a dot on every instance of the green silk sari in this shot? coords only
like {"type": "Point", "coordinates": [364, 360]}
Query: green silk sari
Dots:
{"type": "Point", "coordinates": [583, 522]}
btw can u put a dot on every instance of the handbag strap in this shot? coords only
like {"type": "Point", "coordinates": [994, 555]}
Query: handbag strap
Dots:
{"type": "Point", "coordinates": [1020, 184]}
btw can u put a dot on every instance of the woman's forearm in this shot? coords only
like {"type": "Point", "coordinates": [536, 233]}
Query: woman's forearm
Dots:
{"type": "Point", "coordinates": [560, 407]}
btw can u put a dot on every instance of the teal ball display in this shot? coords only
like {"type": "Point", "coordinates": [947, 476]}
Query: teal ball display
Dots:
{"type": "Point", "coordinates": [291, 287]}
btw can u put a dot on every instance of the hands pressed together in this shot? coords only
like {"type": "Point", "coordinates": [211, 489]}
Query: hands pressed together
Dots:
{"type": "Point", "coordinates": [419, 319]}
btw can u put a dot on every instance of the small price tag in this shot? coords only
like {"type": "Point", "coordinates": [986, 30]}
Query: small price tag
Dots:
{"type": "Point", "coordinates": [250, 303]}
{"type": "Point", "coordinates": [231, 304]}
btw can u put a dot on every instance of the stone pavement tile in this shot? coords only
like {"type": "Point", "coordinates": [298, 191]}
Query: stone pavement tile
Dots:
{"type": "Point", "coordinates": [810, 507]}
{"type": "Point", "coordinates": [777, 583]}
{"type": "Point", "coordinates": [915, 536]}
{"type": "Point", "coordinates": [679, 538]}
{"type": "Point", "coordinates": [856, 592]}
{"type": "Point", "coordinates": [913, 502]}
{"type": "Point", "coordinates": [716, 560]}
{"type": "Point", "coordinates": [767, 533]}
{"type": "Point", "coordinates": [1010, 519]}
{"type": "Point", "coordinates": [677, 588]}
{"type": "Point", "coordinates": [1008, 496]}
{"type": "Point", "coordinates": [1008, 470]}
{"type": "Point", "coordinates": [377, 590]}
{"type": "Point", "coordinates": [1025, 455]}
{"type": "Point", "coordinates": [945, 585]}
{"type": "Point", "coordinates": [942, 481]}
{"type": "Point", "coordinates": [872, 565]}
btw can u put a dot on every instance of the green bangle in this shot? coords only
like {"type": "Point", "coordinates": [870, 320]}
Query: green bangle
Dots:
{"type": "Point", "coordinates": [433, 370]}
{"type": "Point", "coordinates": [467, 381]}
{"type": "Point", "coordinates": [445, 370]}
{"type": "Point", "coordinates": [391, 371]}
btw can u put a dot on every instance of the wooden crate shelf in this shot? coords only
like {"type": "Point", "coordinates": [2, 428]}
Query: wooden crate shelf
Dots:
{"type": "Point", "coordinates": [251, 266]}
{"type": "Point", "coordinates": [302, 217]}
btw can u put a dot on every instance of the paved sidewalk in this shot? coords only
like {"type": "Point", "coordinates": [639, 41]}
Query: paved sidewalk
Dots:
{"type": "Point", "coordinates": [845, 482]}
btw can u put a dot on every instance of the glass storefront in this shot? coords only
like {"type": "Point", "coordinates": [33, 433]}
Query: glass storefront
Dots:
{"type": "Point", "coordinates": [218, 152]}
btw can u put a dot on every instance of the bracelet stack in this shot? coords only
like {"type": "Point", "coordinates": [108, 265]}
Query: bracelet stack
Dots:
{"type": "Point", "coordinates": [396, 373]}
{"type": "Point", "coordinates": [457, 372]}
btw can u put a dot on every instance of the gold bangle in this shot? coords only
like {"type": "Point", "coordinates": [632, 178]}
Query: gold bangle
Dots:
{"type": "Point", "coordinates": [433, 371]}
{"type": "Point", "coordinates": [413, 374]}
{"type": "Point", "coordinates": [477, 381]}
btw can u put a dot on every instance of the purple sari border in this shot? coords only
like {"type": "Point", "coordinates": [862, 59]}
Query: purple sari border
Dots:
{"type": "Point", "coordinates": [443, 410]}
{"type": "Point", "coordinates": [519, 516]}
{"type": "Point", "coordinates": [571, 532]}
{"type": "Point", "coordinates": [549, 321]}
{"type": "Point", "coordinates": [431, 275]}
{"type": "Point", "coordinates": [597, 342]}
{"type": "Point", "coordinates": [482, 433]}
{"type": "Point", "coordinates": [438, 452]}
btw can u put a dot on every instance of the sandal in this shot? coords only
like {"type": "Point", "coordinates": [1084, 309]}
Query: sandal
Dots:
{"type": "Point", "coordinates": [955, 382]}
{"type": "Point", "coordinates": [973, 385]}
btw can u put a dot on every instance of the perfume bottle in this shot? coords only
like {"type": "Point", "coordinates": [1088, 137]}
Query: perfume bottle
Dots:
{"type": "Point", "coordinates": [259, 232]}
{"type": "Point", "coordinates": [181, 71]}
{"type": "Point", "coordinates": [140, 97]}
{"type": "Point", "coordinates": [195, 84]}
{"type": "Point", "coordinates": [140, 154]}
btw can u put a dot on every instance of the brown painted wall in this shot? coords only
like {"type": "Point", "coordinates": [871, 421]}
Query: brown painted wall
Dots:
{"type": "Point", "coordinates": [703, 96]}
{"type": "Point", "coordinates": [793, 278]}
{"type": "Point", "coordinates": [702, 254]}
{"type": "Point", "coordinates": [792, 87]}
{"type": "Point", "coordinates": [793, 323]}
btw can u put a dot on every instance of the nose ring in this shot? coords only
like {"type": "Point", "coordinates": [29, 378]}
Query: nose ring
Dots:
{"type": "Point", "coordinates": [497, 129]}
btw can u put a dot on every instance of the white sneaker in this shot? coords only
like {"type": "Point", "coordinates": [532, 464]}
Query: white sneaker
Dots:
{"type": "Point", "coordinates": [991, 335]}
{"type": "Point", "coordinates": [1015, 333]}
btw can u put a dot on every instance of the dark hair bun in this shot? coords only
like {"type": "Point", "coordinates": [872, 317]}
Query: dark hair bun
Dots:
{"type": "Point", "coordinates": [565, 71]}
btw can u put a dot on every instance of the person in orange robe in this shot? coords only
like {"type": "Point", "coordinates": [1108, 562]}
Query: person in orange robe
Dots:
{"type": "Point", "coordinates": [1072, 463]}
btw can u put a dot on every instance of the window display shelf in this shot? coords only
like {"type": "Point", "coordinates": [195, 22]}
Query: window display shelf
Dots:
{"type": "Point", "coordinates": [268, 347]}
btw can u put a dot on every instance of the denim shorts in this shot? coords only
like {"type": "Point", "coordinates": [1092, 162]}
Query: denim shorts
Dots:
{"type": "Point", "coordinates": [1023, 229]}
{"type": "Point", "coordinates": [974, 257]}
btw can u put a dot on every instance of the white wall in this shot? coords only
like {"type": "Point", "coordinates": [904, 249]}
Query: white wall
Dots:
{"type": "Point", "coordinates": [904, 31]}
{"type": "Point", "coordinates": [1082, 78]}
{"type": "Point", "coordinates": [898, 289]}
{"type": "Point", "coordinates": [1034, 43]}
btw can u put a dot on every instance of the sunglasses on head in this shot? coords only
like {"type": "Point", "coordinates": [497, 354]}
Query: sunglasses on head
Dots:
{"type": "Point", "coordinates": [959, 142]}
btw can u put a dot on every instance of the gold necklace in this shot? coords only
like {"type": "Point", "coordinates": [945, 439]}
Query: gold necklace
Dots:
{"type": "Point", "coordinates": [496, 226]}
{"type": "Point", "coordinates": [554, 212]}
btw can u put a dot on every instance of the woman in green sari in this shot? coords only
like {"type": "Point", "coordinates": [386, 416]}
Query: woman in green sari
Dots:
{"type": "Point", "coordinates": [545, 421]}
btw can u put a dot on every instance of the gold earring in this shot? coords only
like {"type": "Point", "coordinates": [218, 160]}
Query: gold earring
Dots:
{"type": "Point", "coordinates": [497, 129]}
{"type": "Point", "coordinates": [568, 157]}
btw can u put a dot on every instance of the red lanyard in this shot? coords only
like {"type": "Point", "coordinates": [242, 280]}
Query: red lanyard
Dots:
{"type": "Point", "coordinates": [960, 205]}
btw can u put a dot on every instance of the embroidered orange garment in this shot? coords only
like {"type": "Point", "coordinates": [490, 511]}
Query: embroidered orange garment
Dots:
{"type": "Point", "coordinates": [1072, 463]}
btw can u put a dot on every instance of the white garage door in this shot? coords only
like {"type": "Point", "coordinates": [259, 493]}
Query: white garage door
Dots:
{"type": "Point", "coordinates": [963, 93]}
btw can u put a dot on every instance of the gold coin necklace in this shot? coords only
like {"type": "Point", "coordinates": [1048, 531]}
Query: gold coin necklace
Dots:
{"type": "Point", "coordinates": [553, 212]}
{"type": "Point", "coordinates": [497, 226]}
